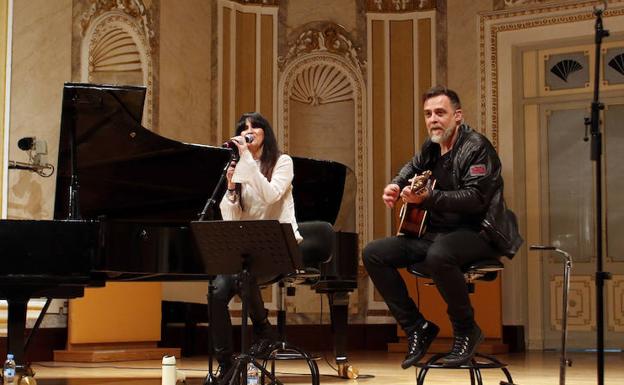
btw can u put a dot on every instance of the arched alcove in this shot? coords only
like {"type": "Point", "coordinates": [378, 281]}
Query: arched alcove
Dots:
{"type": "Point", "coordinates": [321, 112]}
{"type": "Point", "coordinates": [115, 50]}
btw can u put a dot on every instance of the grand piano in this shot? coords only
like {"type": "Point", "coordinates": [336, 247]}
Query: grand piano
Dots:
{"type": "Point", "coordinates": [125, 198]}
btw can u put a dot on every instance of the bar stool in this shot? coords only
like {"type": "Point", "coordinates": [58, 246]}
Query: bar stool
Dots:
{"type": "Point", "coordinates": [483, 270]}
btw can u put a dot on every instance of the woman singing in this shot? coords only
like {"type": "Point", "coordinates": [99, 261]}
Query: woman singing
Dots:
{"type": "Point", "coordinates": [259, 186]}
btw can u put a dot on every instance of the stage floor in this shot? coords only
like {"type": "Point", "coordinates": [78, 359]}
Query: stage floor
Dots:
{"type": "Point", "coordinates": [375, 367]}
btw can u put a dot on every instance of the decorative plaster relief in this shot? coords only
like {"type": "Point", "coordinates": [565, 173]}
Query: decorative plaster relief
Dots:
{"type": "Point", "coordinates": [320, 84]}
{"type": "Point", "coordinates": [329, 38]}
{"type": "Point", "coordinates": [135, 9]}
{"type": "Point", "coordinates": [114, 51]}
{"type": "Point", "coordinates": [503, 4]}
{"type": "Point", "coordinates": [400, 5]}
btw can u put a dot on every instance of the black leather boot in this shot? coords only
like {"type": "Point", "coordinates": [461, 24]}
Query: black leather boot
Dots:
{"type": "Point", "coordinates": [265, 337]}
{"type": "Point", "coordinates": [464, 347]}
{"type": "Point", "coordinates": [418, 342]}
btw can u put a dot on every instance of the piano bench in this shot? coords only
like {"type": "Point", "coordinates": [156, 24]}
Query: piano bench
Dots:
{"type": "Point", "coordinates": [482, 270]}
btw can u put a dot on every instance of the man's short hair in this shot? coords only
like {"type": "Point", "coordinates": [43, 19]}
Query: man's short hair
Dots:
{"type": "Point", "coordinates": [441, 90]}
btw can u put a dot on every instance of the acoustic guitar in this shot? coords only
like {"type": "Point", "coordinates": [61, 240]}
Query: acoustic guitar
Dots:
{"type": "Point", "coordinates": [412, 218]}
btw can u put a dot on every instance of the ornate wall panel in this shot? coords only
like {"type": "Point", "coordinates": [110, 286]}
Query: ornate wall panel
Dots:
{"type": "Point", "coordinates": [615, 301]}
{"type": "Point", "coordinates": [581, 308]}
{"type": "Point", "coordinates": [246, 72]}
{"type": "Point", "coordinates": [247, 57]}
{"type": "Point", "coordinates": [515, 96]}
{"type": "Point", "coordinates": [402, 55]}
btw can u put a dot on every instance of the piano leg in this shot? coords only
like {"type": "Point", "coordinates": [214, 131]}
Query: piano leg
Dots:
{"type": "Point", "coordinates": [16, 325]}
{"type": "Point", "coordinates": [339, 311]}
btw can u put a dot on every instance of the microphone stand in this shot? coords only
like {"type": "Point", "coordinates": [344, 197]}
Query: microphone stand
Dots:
{"type": "Point", "coordinates": [596, 153]}
{"type": "Point", "coordinates": [210, 378]}
{"type": "Point", "coordinates": [211, 201]}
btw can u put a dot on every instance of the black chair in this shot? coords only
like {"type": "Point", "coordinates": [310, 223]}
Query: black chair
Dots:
{"type": "Point", "coordinates": [317, 248]}
{"type": "Point", "coordinates": [483, 270]}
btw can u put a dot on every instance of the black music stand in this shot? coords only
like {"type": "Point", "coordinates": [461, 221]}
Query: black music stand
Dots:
{"type": "Point", "coordinates": [247, 248]}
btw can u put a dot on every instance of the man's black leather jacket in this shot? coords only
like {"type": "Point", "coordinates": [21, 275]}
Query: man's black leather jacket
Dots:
{"type": "Point", "coordinates": [478, 187]}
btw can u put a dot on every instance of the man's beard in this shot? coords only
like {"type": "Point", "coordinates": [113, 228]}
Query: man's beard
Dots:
{"type": "Point", "coordinates": [446, 134]}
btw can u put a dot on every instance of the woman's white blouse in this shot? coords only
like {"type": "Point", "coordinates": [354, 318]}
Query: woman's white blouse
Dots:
{"type": "Point", "coordinates": [262, 199]}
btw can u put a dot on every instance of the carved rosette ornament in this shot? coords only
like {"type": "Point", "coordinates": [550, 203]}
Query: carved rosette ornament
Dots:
{"type": "Point", "coordinates": [135, 9]}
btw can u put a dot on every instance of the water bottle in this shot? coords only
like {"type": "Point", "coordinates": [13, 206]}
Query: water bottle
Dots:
{"type": "Point", "coordinates": [252, 374]}
{"type": "Point", "coordinates": [8, 373]}
{"type": "Point", "coordinates": [168, 376]}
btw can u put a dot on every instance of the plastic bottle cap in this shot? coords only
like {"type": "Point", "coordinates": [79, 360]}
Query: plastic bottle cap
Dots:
{"type": "Point", "coordinates": [169, 360]}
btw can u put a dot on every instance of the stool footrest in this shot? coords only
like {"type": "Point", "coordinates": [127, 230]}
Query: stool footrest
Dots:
{"type": "Point", "coordinates": [474, 366]}
{"type": "Point", "coordinates": [285, 351]}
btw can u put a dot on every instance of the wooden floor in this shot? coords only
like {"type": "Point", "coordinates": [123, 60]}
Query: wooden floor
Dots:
{"type": "Point", "coordinates": [375, 367]}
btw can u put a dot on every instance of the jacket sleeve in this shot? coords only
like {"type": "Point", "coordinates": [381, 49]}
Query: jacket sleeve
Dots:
{"type": "Point", "coordinates": [479, 177]}
{"type": "Point", "coordinates": [247, 171]}
{"type": "Point", "coordinates": [408, 171]}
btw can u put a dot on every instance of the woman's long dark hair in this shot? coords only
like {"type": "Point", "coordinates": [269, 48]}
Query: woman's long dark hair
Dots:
{"type": "Point", "coordinates": [270, 151]}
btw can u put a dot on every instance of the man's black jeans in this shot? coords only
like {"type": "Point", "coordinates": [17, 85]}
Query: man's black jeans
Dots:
{"type": "Point", "coordinates": [444, 254]}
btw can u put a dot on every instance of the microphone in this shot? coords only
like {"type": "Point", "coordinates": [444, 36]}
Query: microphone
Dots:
{"type": "Point", "coordinates": [231, 145]}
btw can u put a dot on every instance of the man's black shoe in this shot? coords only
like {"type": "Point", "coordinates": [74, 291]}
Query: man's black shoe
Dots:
{"type": "Point", "coordinates": [464, 347]}
{"type": "Point", "coordinates": [418, 342]}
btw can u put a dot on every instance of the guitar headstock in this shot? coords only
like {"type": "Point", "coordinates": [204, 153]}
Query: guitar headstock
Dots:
{"type": "Point", "coordinates": [420, 181]}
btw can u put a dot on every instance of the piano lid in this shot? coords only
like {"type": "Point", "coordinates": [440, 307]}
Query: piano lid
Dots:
{"type": "Point", "coordinates": [321, 191]}
{"type": "Point", "coordinates": [125, 170]}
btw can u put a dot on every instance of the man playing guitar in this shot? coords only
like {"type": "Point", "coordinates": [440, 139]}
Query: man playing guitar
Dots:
{"type": "Point", "coordinates": [467, 221]}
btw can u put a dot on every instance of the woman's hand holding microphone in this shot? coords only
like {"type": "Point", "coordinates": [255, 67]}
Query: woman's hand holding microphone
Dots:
{"type": "Point", "coordinates": [241, 143]}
